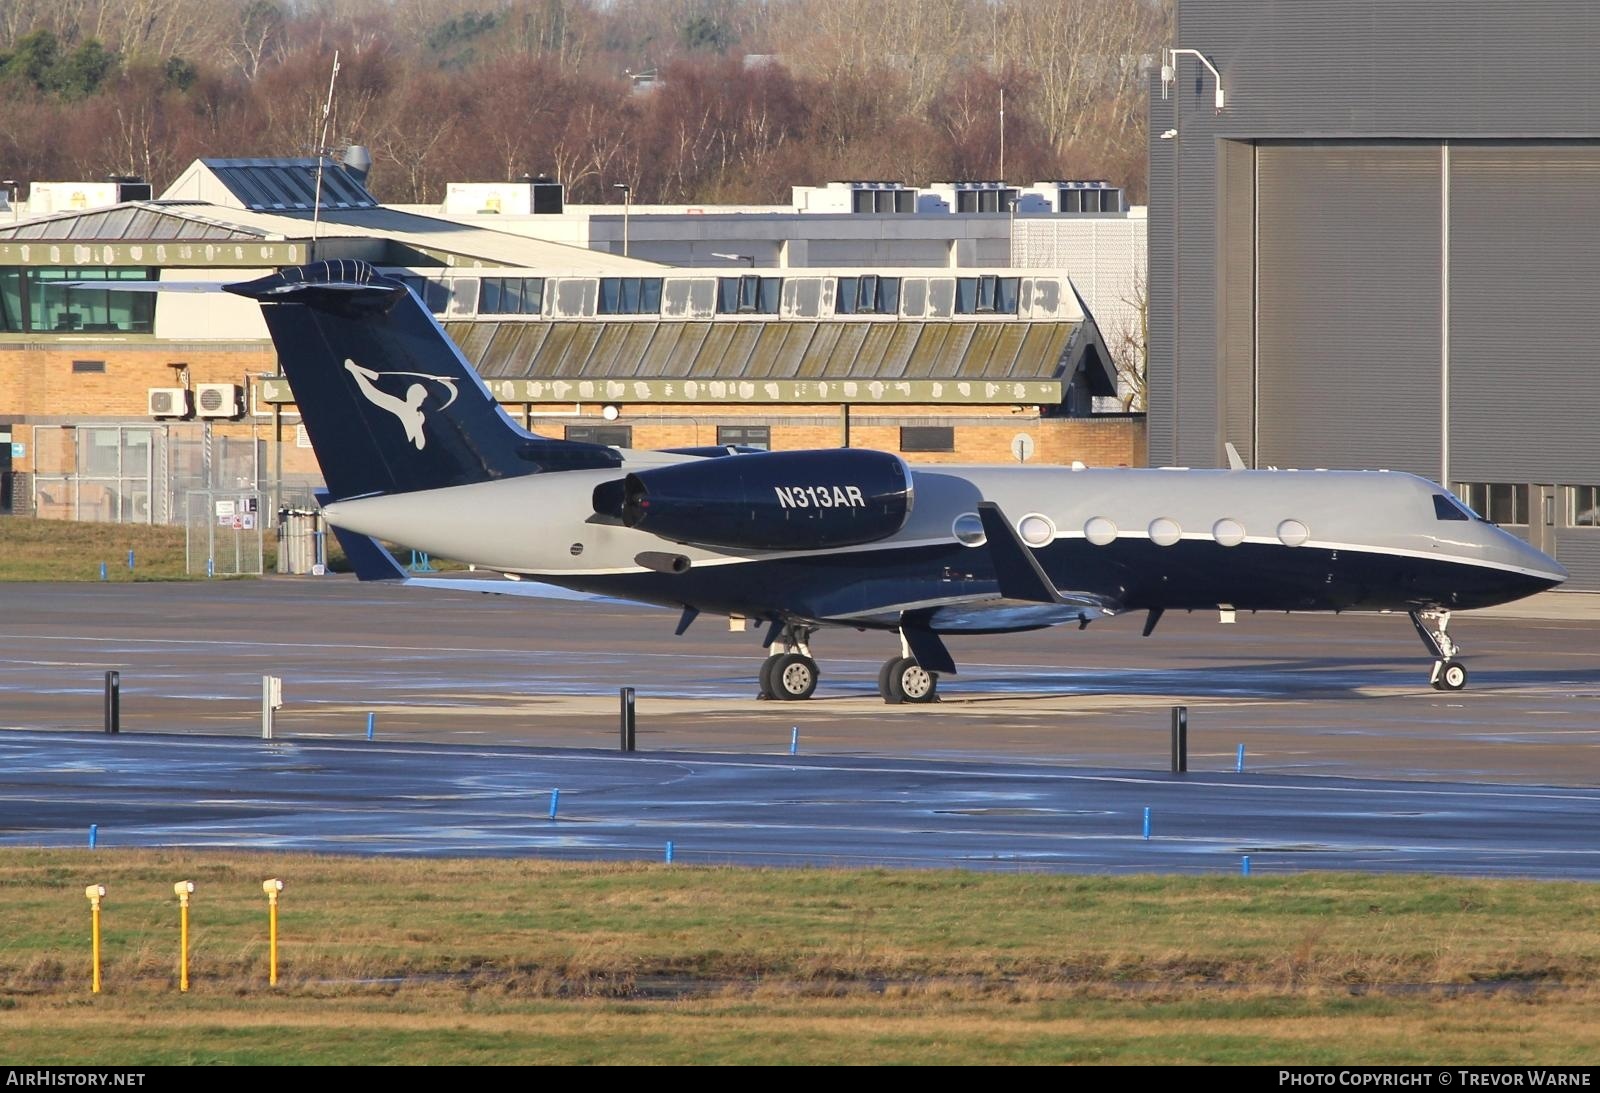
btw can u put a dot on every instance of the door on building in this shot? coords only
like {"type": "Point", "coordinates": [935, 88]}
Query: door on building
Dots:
{"type": "Point", "coordinates": [1542, 520]}
{"type": "Point", "coordinates": [7, 478]}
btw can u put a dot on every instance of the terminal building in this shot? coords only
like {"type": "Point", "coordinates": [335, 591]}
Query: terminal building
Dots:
{"type": "Point", "coordinates": [1373, 243]}
{"type": "Point", "coordinates": [131, 406]}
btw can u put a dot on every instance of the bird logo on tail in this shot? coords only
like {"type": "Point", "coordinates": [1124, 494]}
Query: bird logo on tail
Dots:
{"type": "Point", "coordinates": [408, 410]}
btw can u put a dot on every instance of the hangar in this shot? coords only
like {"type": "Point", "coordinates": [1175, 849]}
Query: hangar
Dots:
{"type": "Point", "coordinates": [1374, 241]}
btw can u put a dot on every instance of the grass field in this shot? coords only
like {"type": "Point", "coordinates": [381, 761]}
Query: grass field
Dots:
{"type": "Point", "coordinates": [64, 550]}
{"type": "Point", "coordinates": [448, 961]}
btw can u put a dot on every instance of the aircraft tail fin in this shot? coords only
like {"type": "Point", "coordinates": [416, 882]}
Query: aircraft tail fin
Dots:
{"type": "Point", "coordinates": [389, 402]}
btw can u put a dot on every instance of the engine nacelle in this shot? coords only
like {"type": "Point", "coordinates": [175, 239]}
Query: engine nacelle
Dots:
{"type": "Point", "coordinates": [810, 500]}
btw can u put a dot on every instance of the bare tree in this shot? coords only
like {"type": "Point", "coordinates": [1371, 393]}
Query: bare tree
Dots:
{"type": "Point", "coordinates": [258, 36]}
{"type": "Point", "coordinates": [1086, 58]}
{"type": "Point", "coordinates": [1131, 345]}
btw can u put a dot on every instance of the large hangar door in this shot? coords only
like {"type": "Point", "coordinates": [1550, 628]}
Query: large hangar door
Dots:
{"type": "Point", "coordinates": [1524, 327]}
{"type": "Point", "coordinates": [1348, 306]}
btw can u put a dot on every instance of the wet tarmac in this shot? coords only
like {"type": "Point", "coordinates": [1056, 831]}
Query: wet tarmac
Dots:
{"type": "Point", "coordinates": [422, 799]}
{"type": "Point", "coordinates": [1043, 754]}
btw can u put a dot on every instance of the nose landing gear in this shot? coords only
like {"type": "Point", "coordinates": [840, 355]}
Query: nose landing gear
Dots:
{"type": "Point", "coordinates": [1449, 674]}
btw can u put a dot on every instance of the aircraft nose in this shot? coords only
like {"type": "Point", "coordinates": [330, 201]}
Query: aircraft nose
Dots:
{"type": "Point", "coordinates": [1535, 561]}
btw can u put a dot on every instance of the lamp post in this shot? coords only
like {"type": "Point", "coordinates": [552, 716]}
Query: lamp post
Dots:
{"type": "Point", "coordinates": [1176, 325]}
{"type": "Point", "coordinates": [1169, 72]}
{"type": "Point", "coordinates": [627, 205]}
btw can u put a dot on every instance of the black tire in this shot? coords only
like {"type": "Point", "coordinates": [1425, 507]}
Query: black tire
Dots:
{"type": "Point", "coordinates": [1452, 676]}
{"type": "Point", "coordinates": [883, 680]}
{"type": "Point", "coordinates": [794, 678]}
{"type": "Point", "coordinates": [769, 689]}
{"type": "Point", "coordinates": [911, 682]}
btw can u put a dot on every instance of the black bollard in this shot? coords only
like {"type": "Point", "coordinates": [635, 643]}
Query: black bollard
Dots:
{"type": "Point", "coordinates": [1180, 740]}
{"type": "Point", "coordinates": [627, 720]}
{"type": "Point", "coordinates": [113, 703]}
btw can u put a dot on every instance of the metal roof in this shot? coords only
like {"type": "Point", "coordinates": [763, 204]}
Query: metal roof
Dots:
{"type": "Point", "coordinates": [485, 245]}
{"type": "Point", "coordinates": [447, 241]}
{"type": "Point", "coordinates": [277, 185]}
{"type": "Point", "coordinates": [909, 361]}
{"type": "Point", "coordinates": [143, 220]}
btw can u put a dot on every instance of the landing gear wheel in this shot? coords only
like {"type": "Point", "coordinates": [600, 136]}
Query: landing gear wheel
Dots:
{"type": "Point", "coordinates": [1450, 676]}
{"type": "Point", "coordinates": [909, 681]}
{"type": "Point", "coordinates": [883, 680]}
{"type": "Point", "coordinates": [794, 677]}
{"type": "Point", "coordinates": [1433, 627]}
{"type": "Point", "coordinates": [769, 687]}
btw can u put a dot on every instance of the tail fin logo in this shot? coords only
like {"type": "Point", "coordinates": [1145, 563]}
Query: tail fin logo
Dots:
{"type": "Point", "coordinates": [409, 409]}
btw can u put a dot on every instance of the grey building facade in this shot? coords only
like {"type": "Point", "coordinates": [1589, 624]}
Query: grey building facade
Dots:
{"type": "Point", "coordinates": [1384, 250]}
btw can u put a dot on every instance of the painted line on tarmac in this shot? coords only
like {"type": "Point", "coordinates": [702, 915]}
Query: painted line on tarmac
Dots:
{"type": "Point", "coordinates": [1559, 794]}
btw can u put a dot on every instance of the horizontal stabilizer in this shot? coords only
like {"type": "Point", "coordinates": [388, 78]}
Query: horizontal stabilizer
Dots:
{"type": "Point", "coordinates": [528, 590]}
{"type": "Point", "coordinates": [147, 286]}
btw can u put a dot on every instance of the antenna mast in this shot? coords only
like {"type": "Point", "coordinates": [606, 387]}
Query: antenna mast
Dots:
{"type": "Point", "coordinates": [322, 149]}
{"type": "Point", "coordinates": [1002, 134]}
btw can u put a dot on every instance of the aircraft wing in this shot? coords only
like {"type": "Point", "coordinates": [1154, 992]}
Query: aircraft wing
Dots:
{"type": "Point", "coordinates": [1027, 599]}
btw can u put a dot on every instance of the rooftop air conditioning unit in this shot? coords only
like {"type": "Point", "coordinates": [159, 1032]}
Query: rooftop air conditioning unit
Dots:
{"type": "Point", "coordinates": [218, 400]}
{"type": "Point", "coordinates": [170, 402]}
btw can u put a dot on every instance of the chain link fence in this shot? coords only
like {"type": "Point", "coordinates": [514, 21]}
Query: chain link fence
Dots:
{"type": "Point", "coordinates": [223, 533]}
{"type": "Point", "coordinates": [138, 474]}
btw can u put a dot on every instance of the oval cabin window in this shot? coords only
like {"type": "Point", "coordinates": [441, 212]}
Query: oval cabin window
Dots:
{"type": "Point", "coordinates": [1165, 531]}
{"type": "Point", "coordinates": [1228, 532]}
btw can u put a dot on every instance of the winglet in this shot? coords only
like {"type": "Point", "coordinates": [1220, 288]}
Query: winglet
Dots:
{"type": "Point", "coordinates": [1020, 575]}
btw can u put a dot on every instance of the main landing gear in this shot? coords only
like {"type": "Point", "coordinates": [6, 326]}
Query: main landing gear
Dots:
{"type": "Point", "coordinates": [1449, 674]}
{"type": "Point", "coordinates": [903, 679]}
{"type": "Point", "coordinates": [789, 672]}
